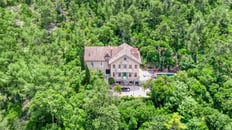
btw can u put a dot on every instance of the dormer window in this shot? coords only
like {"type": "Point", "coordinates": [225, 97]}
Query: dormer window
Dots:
{"type": "Point", "coordinates": [124, 61]}
{"type": "Point", "coordinates": [107, 56]}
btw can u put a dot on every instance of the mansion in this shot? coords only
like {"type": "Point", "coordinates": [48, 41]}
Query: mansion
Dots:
{"type": "Point", "coordinates": [119, 62]}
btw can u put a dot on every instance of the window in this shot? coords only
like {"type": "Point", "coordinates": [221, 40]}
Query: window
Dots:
{"type": "Point", "coordinates": [113, 74]}
{"type": "Point", "coordinates": [125, 58]}
{"type": "Point", "coordinates": [114, 66]}
{"type": "Point", "coordinates": [102, 64]}
{"type": "Point", "coordinates": [135, 74]}
{"type": "Point", "coordinates": [92, 64]}
{"type": "Point", "coordinates": [130, 66]}
{"type": "Point", "coordinates": [119, 66]}
{"type": "Point", "coordinates": [136, 66]}
{"type": "Point", "coordinates": [124, 66]}
{"type": "Point", "coordinates": [129, 74]}
{"type": "Point", "coordinates": [119, 74]}
{"type": "Point", "coordinates": [107, 71]}
{"type": "Point", "coordinates": [124, 75]}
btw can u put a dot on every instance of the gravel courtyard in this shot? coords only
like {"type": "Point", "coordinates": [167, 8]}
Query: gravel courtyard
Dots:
{"type": "Point", "coordinates": [135, 91]}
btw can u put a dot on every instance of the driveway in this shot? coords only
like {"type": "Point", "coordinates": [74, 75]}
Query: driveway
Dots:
{"type": "Point", "coordinates": [135, 91]}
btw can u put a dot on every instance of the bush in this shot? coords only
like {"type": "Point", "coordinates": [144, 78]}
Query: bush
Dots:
{"type": "Point", "coordinates": [118, 88]}
{"type": "Point", "coordinates": [111, 81]}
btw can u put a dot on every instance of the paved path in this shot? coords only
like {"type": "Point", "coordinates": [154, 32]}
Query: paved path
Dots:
{"type": "Point", "coordinates": [135, 91]}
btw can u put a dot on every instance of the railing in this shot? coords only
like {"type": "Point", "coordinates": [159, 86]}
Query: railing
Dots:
{"type": "Point", "coordinates": [129, 78]}
{"type": "Point", "coordinates": [124, 70]}
{"type": "Point", "coordinates": [162, 73]}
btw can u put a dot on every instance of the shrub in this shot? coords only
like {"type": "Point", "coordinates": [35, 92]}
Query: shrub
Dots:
{"type": "Point", "coordinates": [111, 81]}
{"type": "Point", "coordinates": [118, 88]}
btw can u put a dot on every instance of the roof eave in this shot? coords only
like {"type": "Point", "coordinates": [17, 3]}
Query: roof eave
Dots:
{"type": "Point", "coordinates": [136, 60]}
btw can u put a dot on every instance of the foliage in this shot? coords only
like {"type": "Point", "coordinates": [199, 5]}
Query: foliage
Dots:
{"type": "Point", "coordinates": [118, 88]}
{"type": "Point", "coordinates": [161, 90]}
{"type": "Point", "coordinates": [148, 84]}
{"type": "Point", "coordinates": [82, 60]}
{"type": "Point", "coordinates": [4, 122]}
{"type": "Point", "coordinates": [111, 81]}
{"type": "Point", "coordinates": [45, 84]}
{"type": "Point", "coordinates": [87, 75]}
{"type": "Point", "coordinates": [175, 123]}
{"type": "Point", "coordinates": [135, 113]}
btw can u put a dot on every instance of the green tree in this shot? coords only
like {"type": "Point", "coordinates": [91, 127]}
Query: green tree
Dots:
{"type": "Point", "coordinates": [161, 91]}
{"type": "Point", "coordinates": [83, 65]}
{"type": "Point", "coordinates": [118, 88]}
{"type": "Point", "coordinates": [175, 123]}
{"type": "Point", "coordinates": [4, 122]}
{"type": "Point", "coordinates": [197, 124]}
{"type": "Point", "coordinates": [47, 16]}
{"type": "Point", "coordinates": [87, 75]}
{"type": "Point", "coordinates": [46, 111]}
{"type": "Point", "coordinates": [101, 113]}
{"type": "Point", "coordinates": [179, 93]}
{"type": "Point", "coordinates": [149, 83]}
{"type": "Point", "coordinates": [134, 113]}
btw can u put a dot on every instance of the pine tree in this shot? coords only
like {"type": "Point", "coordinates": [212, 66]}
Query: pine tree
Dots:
{"type": "Point", "coordinates": [82, 60]}
{"type": "Point", "coordinates": [87, 75]}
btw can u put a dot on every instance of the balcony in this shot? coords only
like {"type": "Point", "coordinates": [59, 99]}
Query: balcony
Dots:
{"type": "Point", "coordinates": [124, 70]}
{"type": "Point", "coordinates": [126, 79]}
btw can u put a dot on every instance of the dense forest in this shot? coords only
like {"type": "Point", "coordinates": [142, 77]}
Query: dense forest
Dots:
{"type": "Point", "coordinates": [45, 85]}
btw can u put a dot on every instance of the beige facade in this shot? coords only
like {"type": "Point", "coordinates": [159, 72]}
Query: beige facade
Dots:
{"type": "Point", "coordinates": [125, 68]}
{"type": "Point", "coordinates": [98, 65]}
{"type": "Point", "coordinates": [122, 62]}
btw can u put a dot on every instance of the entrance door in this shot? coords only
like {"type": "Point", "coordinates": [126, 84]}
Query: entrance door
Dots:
{"type": "Point", "coordinates": [107, 71]}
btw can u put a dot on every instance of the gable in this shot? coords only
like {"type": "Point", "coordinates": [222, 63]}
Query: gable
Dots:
{"type": "Point", "coordinates": [99, 53]}
{"type": "Point", "coordinates": [120, 57]}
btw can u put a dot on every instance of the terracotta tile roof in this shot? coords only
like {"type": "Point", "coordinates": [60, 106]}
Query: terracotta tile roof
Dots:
{"type": "Point", "coordinates": [134, 52]}
{"type": "Point", "coordinates": [125, 49]}
{"type": "Point", "coordinates": [98, 53]}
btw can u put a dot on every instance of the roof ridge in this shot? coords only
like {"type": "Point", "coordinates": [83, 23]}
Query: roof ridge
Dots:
{"type": "Point", "coordinates": [99, 52]}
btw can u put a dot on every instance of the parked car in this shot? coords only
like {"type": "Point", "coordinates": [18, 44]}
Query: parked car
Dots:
{"type": "Point", "coordinates": [125, 89]}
